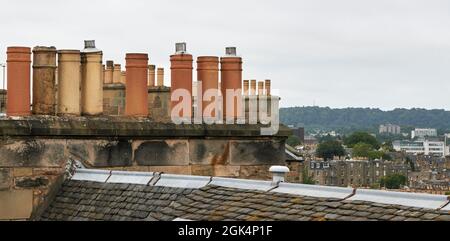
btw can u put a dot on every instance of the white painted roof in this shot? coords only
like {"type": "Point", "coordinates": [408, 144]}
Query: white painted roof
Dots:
{"type": "Point", "coordinates": [242, 183]}
{"type": "Point", "coordinates": [313, 190]}
{"type": "Point", "coordinates": [130, 177]}
{"type": "Point", "coordinates": [93, 175]}
{"type": "Point", "coordinates": [182, 181]}
{"type": "Point", "coordinates": [421, 200]}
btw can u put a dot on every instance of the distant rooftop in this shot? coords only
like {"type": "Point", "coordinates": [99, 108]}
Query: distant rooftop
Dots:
{"type": "Point", "coordinates": [122, 195]}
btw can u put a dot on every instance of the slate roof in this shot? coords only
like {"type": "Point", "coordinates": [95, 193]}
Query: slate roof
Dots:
{"type": "Point", "coordinates": [103, 200]}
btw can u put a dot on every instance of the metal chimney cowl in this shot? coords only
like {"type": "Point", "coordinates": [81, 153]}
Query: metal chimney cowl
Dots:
{"type": "Point", "coordinates": [180, 48]}
{"type": "Point", "coordinates": [230, 51]}
{"type": "Point", "coordinates": [89, 47]}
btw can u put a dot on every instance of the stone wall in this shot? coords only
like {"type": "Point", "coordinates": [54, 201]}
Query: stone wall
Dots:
{"type": "Point", "coordinates": [158, 101]}
{"type": "Point", "coordinates": [34, 152]}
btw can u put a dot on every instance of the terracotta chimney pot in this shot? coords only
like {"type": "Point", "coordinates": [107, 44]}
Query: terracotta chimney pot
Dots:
{"type": "Point", "coordinates": [109, 72]}
{"type": "Point", "coordinates": [260, 88]}
{"type": "Point", "coordinates": [208, 74]}
{"type": "Point", "coordinates": [231, 78]}
{"type": "Point", "coordinates": [91, 82]}
{"type": "Point", "coordinates": [252, 87]}
{"type": "Point", "coordinates": [123, 77]}
{"type": "Point", "coordinates": [267, 86]}
{"type": "Point", "coordinates": [69, 77]}
{"type": "Point", "coordinates": [116, 73]}
{"type": "Point", "coordinates": [246, 86]}
{"type": "Point", "coordinates": [44, 80]}
{"type": "Point", "coordinates": [18, 78]}
{"type": "Point", "coordinates": [160, 76]}
{"type": "Point", "coordinates": [151, 75]}
{"type": "Point", "coordinates": [181, 75]}
{"type": "Point", "coordinates": [136, 102]}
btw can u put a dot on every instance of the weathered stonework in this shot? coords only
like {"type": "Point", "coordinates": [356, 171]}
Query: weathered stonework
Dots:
{"type": "Point", "coordinates": [34, 152]}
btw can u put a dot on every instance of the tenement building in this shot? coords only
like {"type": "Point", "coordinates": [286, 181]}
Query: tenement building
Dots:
{"type": "Point", "coordinates": [359, 173]}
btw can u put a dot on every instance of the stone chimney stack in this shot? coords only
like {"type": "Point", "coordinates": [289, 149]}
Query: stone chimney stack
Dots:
{"type": "Point", "coordinates": [91, 80]}
{"type": "Point", "coordinates": [69, 78]}
{"type": "Point", "coordinates": [103, 73]}
{"type": "Point", "coordinates": [18, 75]}
{"type": "Point", "coordinates": [116, 73]}
{"type": "Point", "coordinates": [260, 88]}
{"type": "Point", "coordinates": [252, 87]}
{"type": "Point", "coordinates": [246, 85]}
{"type": "Point", "coordinates": [231, 79]}
{"type": "Point", "coordinates": [181, 75]}
{"type": "Point", "coordinates": [160, 75]}
{"type": "Point", "coordinates": [136, 95]}
{"type": "Point", "coordinates": [44, 80]}
{"type": "Point", "coordinates": [109, 72]}
{"type": "Point", "coordinates": [151, 75]}
{"type": "Point", "coordinates": [208, 74]}
{"type": "Point", "coordinates": [267, 86]}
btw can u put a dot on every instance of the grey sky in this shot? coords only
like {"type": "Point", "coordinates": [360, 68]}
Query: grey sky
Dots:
{"type": "Point", "coordinates": [346, 53]}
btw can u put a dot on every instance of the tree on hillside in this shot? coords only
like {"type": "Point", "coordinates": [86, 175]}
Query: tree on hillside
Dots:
{"type": "Point", "coordinates": [361, 137]}
{"type": "Point", "coordinates": [328, 149]}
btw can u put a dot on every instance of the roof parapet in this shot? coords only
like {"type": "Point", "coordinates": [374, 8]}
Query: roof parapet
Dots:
{"type": "Point", "coordinates": [420, 200]}
{"type": "Point", "coordinates": [130, 177]}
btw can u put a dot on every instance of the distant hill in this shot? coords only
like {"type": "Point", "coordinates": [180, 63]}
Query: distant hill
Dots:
{"type": "Point", "coordinates": [350, 119]}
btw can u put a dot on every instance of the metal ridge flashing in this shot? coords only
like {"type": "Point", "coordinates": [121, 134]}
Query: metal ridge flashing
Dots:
{"type": "Point", "coordinates": [420, 200]}
{"type": "Point", "coordinates": [94, 175]}
{"type": "Point", "coordinates": [242, 183]}
{"type": "Point", "coordinates": [182, 181]}
{"type": "Point", "coordinates": [313, 190]}
{"type": "Point", "coordinates": [130, 177]}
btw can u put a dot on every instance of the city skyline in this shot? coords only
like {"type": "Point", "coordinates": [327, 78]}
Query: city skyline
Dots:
{"type": "Point", "coordinates": [384, 54]}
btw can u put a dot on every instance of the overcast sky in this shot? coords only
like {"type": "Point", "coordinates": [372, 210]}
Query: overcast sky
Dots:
{"type": "Point", "coordinates": [348, 53]}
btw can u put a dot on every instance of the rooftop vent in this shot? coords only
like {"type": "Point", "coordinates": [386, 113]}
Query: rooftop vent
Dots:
{"type": "Point", "coordinates": [230, 51]}
{"type": "Point", "coordinates": [180, 48]}
{"type": "Point", "coordinates": [278, 173]}
{"type": "Point", "coordinates": [89, 46]}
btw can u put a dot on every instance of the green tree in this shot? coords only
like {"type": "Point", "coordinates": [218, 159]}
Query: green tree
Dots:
{"type": "Point", "coordinates": [362, 149]}
{"type": "Point", "coordinates": [328, 149]}
{"type": "Point", "coordinates": [364, 137]}
{"type": "Point", "coordinates": [393, 181]}
{"type": "Point", "coordinates": [293, 141]}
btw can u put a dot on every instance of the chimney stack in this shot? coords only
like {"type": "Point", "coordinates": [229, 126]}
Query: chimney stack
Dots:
{"type": "Point", "coordinates": [267, 86]}
{"type": "Point", "coordinates": [18, 75]}
{"type": "Point", "coordinates": [69, 78]}
{"type": "Point", "coordinates": [109, 72]}
{"type": "Point", "coordinates": [208, 74]}
{"type": "Point", "coordinates": [160, 76]}
{"type": "Point", "coordinates": [91, 79]}
{"type": "Point", "coordinates": [116, 73]}
{"type": "Point", "coordinates": [278, 174]}
{"type": "Point", "coordinates": [136, 94]}
{"type": "Point", "coordinates": [246, 87]}
{"type": "Point", "coordinates": [151, 75]}
{"type": "Point", "coordinates": [231, 79]}
{"type": "Point", "coordinates": [44, 89]}
{"type": "Point", "coordinates": [181, 75]}
{"type": "Point", "coordinates": [253, 87]}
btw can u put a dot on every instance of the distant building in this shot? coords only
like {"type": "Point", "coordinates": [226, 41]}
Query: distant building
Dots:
{"type": "Point", "coordinates": [423, 132]}
{"type": "Point", "coordinates": [433, 147]}
{"type": "Point", "coordinates": [360, 173]}
{"type": "Point", "coordinates": [389, 129]}
{"type": "Point", "coordinates": [300, 133]}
